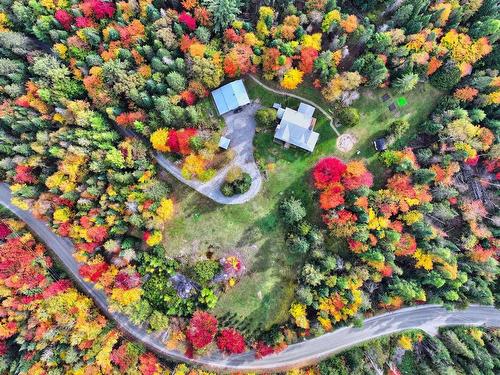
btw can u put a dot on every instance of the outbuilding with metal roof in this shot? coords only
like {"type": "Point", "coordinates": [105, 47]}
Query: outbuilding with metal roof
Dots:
{"type": "Point", "coordinates": [230, 96]}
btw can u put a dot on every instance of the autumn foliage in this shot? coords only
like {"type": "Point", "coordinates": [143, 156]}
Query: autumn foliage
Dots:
{"type": "Point", "coordinates": [230, 341]}
{"type": "Point", "coordinates": [466, 93]}
{"type": "Point", "coordinates": [328, 171]}
{"type": "Point", "coordinates": [202, 329]}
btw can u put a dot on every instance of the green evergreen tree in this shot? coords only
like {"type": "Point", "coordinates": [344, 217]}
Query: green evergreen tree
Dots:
{"type": "Point", "coordinates": [224, 12]}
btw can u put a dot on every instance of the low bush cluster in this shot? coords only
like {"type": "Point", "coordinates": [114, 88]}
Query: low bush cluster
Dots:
{"type": "Point", "coordinates": [236, 182]}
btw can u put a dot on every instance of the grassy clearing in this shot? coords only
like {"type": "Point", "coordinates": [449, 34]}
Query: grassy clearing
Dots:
{"type": "Point", "coordinates": [253, 231]}
{"type": "Point", "coordinates": [375, 116]}
{"type": "Point", "coordinates": [375, 119]}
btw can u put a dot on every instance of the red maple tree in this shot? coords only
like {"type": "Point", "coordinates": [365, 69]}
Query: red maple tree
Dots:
{"type": "Point", "coordinates": [332, 196]}
{"type": "Point", "coordinates": [202, 329]}
{"type": "Point", "coordinates": [231, 341]}
{"type": "Point", "coordinates": [93, 272]}
{"type": "Point", "coordinates": [328, 171]}
{"type": "Point", "coordinates": [64, 18]}
{"type": "Point", "coordinates": [187, 20]}
{"type": "Point", "coordinates": [307, 57]}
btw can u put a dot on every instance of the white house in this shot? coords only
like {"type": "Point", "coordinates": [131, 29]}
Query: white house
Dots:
{"type": "Point", "coordinates": [296, 127]}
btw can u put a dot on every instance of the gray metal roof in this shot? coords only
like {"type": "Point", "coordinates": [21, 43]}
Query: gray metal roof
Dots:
{"type": "Point", "coordinates": [230, 96]}
{"type": "Point", "coordinates": [306, 109]}
{"type": "Point", "coordinates": [294, 128]}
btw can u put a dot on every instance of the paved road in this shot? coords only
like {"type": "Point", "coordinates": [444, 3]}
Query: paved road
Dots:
{"type": "Point", "coordinates": [240, 130]}
{"type": "Point", "coordinates": [426, 317]}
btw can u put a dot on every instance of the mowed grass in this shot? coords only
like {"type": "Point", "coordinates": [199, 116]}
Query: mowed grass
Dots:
{"type": "Point", "coordinates": [376, 118]}
{"type": "Point", "coordinates": [253, 230]}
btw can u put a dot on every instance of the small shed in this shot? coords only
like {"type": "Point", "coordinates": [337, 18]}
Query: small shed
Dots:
{"type": "Point", "coordinates": [380, 144]}
{"type": "Point", "coordinates": [230, 96]}
{"type": "Point", "coordinates": [224, 143]}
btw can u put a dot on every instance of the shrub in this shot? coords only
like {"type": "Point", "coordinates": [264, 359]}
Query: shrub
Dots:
{"type": "Point", "coordinates": [266, 117]}
{"type": "Point", "coordinates": [227, 190]}
{"type": "Point", "coordinates": [196, 143]}
{"type": "Point", "coordinates": [348, 116]}
{"type": "Point", "coordinates": [292, 210]}
{"type": "Point", "coordinates": [206, 270]}
{"type": "Point", "coordinates": [398, 128]}
{"type": "Point", "coordinates": [233, 174]}
{"type": "Point", "coordinates": [236, 182]}
{"type": "Point", "coordinates": [243, 184]}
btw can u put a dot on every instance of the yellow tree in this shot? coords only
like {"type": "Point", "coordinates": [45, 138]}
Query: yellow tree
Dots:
{"type": "Point", "coordinates": [166, 209]}
{"type": "Point", "coordinates": [292, 79]}
{"type": "Point", "coordinates": [159, 140]}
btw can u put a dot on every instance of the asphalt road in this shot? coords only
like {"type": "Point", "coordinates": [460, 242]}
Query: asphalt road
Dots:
{"type": "Point", "coordinates": [426, 317]}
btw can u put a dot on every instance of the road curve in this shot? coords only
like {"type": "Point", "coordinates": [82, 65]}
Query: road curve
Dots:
{"type": "Point", "coordinates": [426, 317]}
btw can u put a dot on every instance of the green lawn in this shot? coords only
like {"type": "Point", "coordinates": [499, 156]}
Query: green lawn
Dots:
{"type": "Point", "coordinates": [252, 231]}
{"type": "Point", "coordinates": [375, 116]}
{"type": "Point", "coordinates": [375, 119]}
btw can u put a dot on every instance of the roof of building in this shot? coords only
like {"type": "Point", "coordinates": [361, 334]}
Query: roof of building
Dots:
{"type": "Point", "coordinates": [294, 117]}
{"type": "Point", "coordinates": [306, 109]}
{"type": "Point", "coordinates": [380, 144]}
{"type": "Point", "coordinates": [224, 142]}
{"type": "Point", "coordinates": [294, 128]}
{"type": "Point", "coordinates": [230, 96]}
{"type": "Point", "coordinates": [280, 112]}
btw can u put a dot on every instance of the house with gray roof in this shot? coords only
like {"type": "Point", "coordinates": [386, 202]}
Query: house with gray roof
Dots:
{"type": "Point", "coordinates": [296, 127]}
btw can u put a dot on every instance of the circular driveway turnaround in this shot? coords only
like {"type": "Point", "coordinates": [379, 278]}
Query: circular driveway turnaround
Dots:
{"type": "Point", "coordinates": [426, 317]}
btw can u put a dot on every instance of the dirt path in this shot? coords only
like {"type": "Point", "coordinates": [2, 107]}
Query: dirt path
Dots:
{"type": "Point", "coordinates": [279, 92]}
